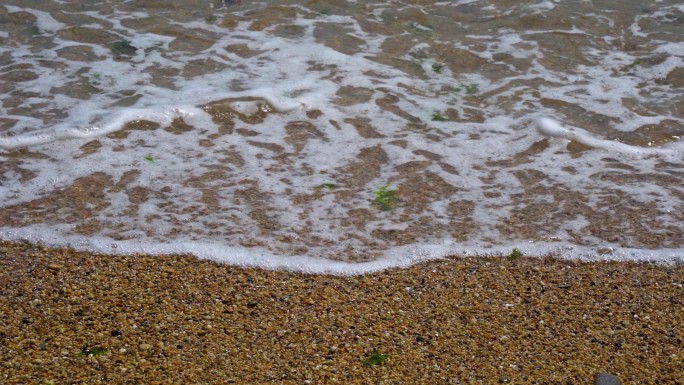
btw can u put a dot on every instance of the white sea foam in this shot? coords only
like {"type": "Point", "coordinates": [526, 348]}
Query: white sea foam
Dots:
{"type": "Point", "coordinates": [397, 258]}
{"type": "Point", "coordinates": [550, 127]}
{"type": "Point", "coordinates": [318, 109]}
{"type": "Point", "coordinates": [44, 21]}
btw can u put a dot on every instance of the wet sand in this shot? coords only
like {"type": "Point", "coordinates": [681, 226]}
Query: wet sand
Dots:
{"type": "Point", "coordinates": [77, 318]}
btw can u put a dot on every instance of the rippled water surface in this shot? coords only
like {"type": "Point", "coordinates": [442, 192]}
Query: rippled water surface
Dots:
{"type": "Point", "coordinates": [346, 130]}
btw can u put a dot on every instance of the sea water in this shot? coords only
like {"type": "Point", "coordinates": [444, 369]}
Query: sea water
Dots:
{"type": "Point", "coordinates": [344, 136]}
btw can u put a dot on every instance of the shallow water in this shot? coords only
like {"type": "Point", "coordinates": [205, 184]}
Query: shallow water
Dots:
{"type": "Point", "coordinates": [254, 132]}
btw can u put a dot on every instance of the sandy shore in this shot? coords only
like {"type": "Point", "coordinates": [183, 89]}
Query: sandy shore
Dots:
{"type": "Point", "coordinates": [76, 318]}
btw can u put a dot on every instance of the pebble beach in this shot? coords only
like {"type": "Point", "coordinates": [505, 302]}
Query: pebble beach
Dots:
{"type": "Point", "coordinates": [71, 317]}
{"type": "Point", "coordinates": [339, 139]}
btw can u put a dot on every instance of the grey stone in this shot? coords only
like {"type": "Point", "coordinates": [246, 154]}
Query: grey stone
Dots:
{"type": "Point", "coordinates": [606, 379]}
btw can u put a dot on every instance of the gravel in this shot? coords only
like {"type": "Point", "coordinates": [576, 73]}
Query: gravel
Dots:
{"type": "Point", "coordinates": [69, 317]}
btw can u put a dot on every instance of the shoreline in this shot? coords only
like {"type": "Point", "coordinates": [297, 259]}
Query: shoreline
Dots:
{"type": "Point", "coordinates": [76, 317]}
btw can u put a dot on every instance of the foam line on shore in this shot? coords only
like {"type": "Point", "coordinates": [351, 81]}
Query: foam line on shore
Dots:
{"type": "Point", "coordinates": [549, 127]}
{"type": "Point", "coordinates": [399, 257]}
